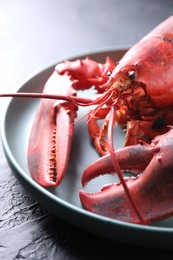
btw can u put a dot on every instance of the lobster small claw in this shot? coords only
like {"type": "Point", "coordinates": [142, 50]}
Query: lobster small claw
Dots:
{"type": "Point", "coordinates": [152, 190]}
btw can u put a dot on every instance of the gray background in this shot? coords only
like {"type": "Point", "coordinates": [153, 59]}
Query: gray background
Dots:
{"type": "Point", "coordinates": [33, 35]}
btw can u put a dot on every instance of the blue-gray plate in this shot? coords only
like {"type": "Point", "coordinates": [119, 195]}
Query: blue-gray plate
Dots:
{"type": "Point", "coordinates": [63, 201]}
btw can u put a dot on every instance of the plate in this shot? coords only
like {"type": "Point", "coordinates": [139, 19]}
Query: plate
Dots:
{"type": "Point", "coordinates": [63, 201]}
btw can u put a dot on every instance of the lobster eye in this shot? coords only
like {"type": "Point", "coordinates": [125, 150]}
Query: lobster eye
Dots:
{"type": "Point", "coordinates": [108, 73]}
{"type": "Point", "coordinates": [132, 74]}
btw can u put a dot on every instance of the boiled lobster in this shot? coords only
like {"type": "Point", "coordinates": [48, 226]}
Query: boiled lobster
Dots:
{"type": "Point", "coordinates": [137, 94]}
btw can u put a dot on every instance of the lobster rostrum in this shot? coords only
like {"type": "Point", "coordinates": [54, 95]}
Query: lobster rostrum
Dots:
{"type": "Point", "coordinates": [136, 94]}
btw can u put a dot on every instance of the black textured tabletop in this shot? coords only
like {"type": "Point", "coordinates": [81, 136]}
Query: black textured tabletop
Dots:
{"type": "Point", "coordinates": [33, 35]}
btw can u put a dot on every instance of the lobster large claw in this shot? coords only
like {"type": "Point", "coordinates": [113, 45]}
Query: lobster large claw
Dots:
{"type": "Point", "coordinates": [51, 134]}
{"type": "Point", "coordinates": [152, 190]}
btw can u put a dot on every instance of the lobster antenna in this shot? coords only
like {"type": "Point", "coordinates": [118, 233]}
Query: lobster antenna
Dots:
{"type": "Point", "coordinates": [117, 166]}
{"type": "Point", "coordinates": [49, 96]}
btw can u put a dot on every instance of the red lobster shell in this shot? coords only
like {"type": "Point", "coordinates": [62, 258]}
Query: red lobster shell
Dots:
{"type": "Point", "coordinates": [137, 94]}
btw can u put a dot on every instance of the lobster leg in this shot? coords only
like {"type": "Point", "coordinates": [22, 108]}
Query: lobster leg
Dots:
{"type": "Point", "coordinates": [152, 190]}
{"type": "Point", "coordinates": [98, 135]}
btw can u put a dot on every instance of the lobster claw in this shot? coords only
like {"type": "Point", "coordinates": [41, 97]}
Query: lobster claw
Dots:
{"type": "Point", "coordinates": [51, 134]}
{"type": "Point", "coordinates": [152, 190]}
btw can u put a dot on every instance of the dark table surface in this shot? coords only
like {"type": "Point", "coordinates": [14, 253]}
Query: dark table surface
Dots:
{"type": "Point", "coordinates": [33, 35]}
